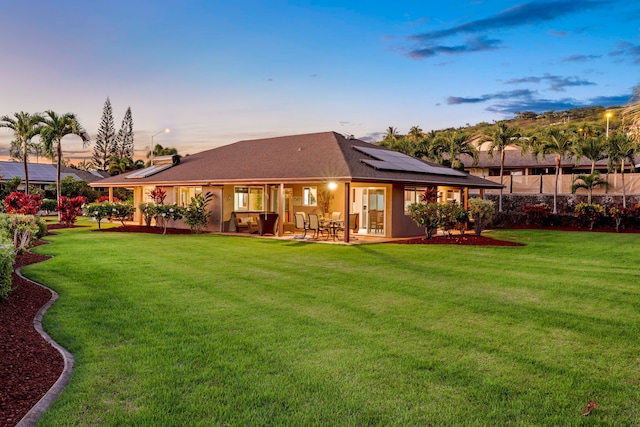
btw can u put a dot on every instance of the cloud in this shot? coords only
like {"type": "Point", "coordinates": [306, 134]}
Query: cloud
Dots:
{"type": "Point", "coordinates": [473, 44]}
{"type": "Point", "coordinates": [525, 14]}
{"type": "Point", "coordinates": [531, 13]}
{"type": "Point", "coordinates": [523, 93]}
{"type": "Point", "coordinates": [581, 58]}
{"type": "Point", "coordinates": [556, 83]}
{"type": "Point", "coordinates": [628, 50]}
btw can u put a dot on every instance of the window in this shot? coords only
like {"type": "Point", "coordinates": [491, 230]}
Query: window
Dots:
{"type": "Point", "coordinates": [248, 199]}
{"type": "Point", "coordinates": [184, 194]}
{"type": "Point", "coordinates": [309, 196]}
{"type": "Point", "coordinates": [412, 195]}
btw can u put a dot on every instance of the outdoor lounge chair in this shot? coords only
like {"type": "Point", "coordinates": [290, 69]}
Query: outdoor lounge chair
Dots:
{"type": "Point", "coordinates": [267, 223]}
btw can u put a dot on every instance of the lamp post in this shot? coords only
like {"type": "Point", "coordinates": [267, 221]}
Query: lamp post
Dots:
{"type": "Point", "coordinates": [153, 147]}
{"type": "Point", "coordinates": [608, 115]}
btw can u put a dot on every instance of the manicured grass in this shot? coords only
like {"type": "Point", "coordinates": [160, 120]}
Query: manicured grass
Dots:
{"type": "Point", "coordinates": [222, 330]}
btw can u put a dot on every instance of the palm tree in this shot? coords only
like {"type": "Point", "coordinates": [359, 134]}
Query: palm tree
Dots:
{"type": "Point", "coordinates": [621, 148]}
{"type": "Point", "coordinates": [593, 148]}
{"type": "Point", "coordinates": [631, 115]}
{"type": "Point", "coordinates": [415, 134]}
{"type": "Point", "coordinates": [560, 143]}
{"type": "Point", "coordinates": [501, 136]}
{"type": "Point", "coordinates": [588, 182]}
{"type": "Point", "coordinates": [453, 144]}
{"type": "Point", "coordinates": [25, 126]}
{"type": "Point", "coordinates": [54, 128]}
{"type": "Point", "coordinates": [392, 134]}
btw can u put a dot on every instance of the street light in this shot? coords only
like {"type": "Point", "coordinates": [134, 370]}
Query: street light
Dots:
{"type": "Point", "coordinates": [608, 115]}
{"type": "Point", "coordinates": [153, 147]}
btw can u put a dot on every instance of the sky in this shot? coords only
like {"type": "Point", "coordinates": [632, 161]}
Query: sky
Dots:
{"type": "Point", "coordinates": [216, 72]}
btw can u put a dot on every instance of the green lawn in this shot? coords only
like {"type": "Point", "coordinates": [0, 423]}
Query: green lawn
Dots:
{"type": "Point", "coordinates": [224, 330]}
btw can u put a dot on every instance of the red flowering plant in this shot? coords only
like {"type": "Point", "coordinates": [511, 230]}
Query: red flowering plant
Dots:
{"type": "Point", "coordinates": [618, 214]}
{"type": "Point", "coordinates": [106, 199]}
{"type": "Point", "coordinates": [537, 213]}
{"type": "Point", "coordinates": [22, 203]}
{"type": "Point", "coordinates": [589, 213]}
{"type": "Point", "coordinates": [70, 209]}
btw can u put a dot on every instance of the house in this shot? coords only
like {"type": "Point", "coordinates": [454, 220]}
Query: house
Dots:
{"type": "Point", "coordinates": [43, 175]}
{"type": "Point", "coordinates": [314, 173]}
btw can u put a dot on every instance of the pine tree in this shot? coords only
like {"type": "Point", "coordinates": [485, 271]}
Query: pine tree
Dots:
{"type": "Point", "coordinates": [106, 139]}
{"type": "Point", "coordinates": [124, 141]}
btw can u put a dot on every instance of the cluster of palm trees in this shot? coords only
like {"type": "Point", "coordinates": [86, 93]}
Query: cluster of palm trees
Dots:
{"type": "Point", "coordinates": [566, 142]}
{"type": "Point", "coordinates": [51, 128]}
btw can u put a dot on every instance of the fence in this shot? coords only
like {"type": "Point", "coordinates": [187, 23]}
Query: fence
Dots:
{"type": "Point", "coordinates": [544, 184]}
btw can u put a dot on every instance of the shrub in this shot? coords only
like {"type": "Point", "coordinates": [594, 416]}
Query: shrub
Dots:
{"type": "Point", "coordinates": [166, 213]}
{"type": "Point", "coordinates": [158, 195]}
{"type": "Point", "coordinates": [121, 211]}
{"type": "Point", "coordinates": [618, 214]}
{"type": "Point", "coordinates": [97, 211]}
{"type": "Point", "coordinates": [22, 203]}
{"type": "Point", "coordinates": [7, 257]}
{"type": "Point", "coordinates": [70, 209]}
{"type": "Point", "coordinates": [589, 213]}
{"type": "Point", "coordinates": [461, 218]}
{"type": "Point", "coordinates": [481, 211]}
{"type": "Point", "coordinates": [49, 205]}
{"type": "Point", "coordinates": [148, 211]}
{"type": "Point", "coordinates": [23, 230]}
{"type": "Point", "coordinates": [102, 199]}
{"type": "Point", "coordinates": [537, 214]}
{"type": "Point", "coordinates": [197, 215]}
{"type": "Point", "coordinates": [426, 215]}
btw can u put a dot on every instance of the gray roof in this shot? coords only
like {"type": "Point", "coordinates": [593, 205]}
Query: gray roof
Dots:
{"type": "Point", "coordinates": [45, 173]}
{"type": "Point", "coordinates": [298, 158]}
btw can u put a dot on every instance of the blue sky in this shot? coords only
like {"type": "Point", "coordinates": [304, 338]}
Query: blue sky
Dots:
{"type": "Point", "coordinates": [216, 72]}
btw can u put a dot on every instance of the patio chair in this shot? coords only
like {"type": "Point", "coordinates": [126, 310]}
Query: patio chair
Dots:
{"type": "Point", "coordinates": [317, 227]}
{"type": "Point", "coordinates": [354, 221]}
{"type": "Point", "coordinates": [335, 216]}
{"type": "Point", "coordinates": [300, 224]}
{"type": "Point", "coordinates": [267, 223]}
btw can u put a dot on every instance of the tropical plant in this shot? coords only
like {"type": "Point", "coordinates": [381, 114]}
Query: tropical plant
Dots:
{"type": "Point", "coordinates": [25, 126]}
{"type": "Point", "coordinates": [481, 212]}
{"type": "Point", "coordinates": [22, 203]}
{"type": "Point", "coordinates": [197, 215]}
{"type": "Point", "coordinates": [501, 137]}
{"type": "Point", "coordinates": [588, 182]}
{"type": "Point", "coordinates": [7, 258]}
{"type": "Point", "coordinates": [558, 142]}
{"type": "Point", "coordinates": [448, 147]}
{"type": "Point", "coordinates": [620, 149]}
{"type": "Point", "coordinates": [97, 211]}
{"type": "Point", "coordinates": [121, 211]}
{"type": "Point", "coordinates": [54, 128]}
{"type": "Point", "coordinates": [589, 213]}
{"type": "Point", "coordinates": [49, 205]}
{"type": "Point", "coordinates": [415, 134]}
{"type": "Point", "coordinates": [158, 195]}
{"type": "Point", "coordinates": [69, 209]}
{"type": "Point", "coordinates": [72, 187]}
{"type": "Point", "coordinates": [593, 148]}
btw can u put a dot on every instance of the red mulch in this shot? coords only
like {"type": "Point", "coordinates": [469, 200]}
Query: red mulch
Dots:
{"type": "Point", "coordinates": [145, 229]}
{"type": "Point", "coordinates": [457, 239]}
{"type": "Point", "coordinates": [29, 366]}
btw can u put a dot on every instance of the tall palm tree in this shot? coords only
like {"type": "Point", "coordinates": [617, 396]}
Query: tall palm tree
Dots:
{"type": "Point", "coordinates": [415, 134]}
{"type": "Point", "coordinates": [500, 137]}
{"type": "Point", "coordinates": [593, 148]}
{"type": "Point", "coordinates": [631, 115]}
{"type": "Point", "coordinates": [620, 149]}
{"type": "Point", "coordinates": [54, 128]}
{"type": "Point", "coordinates": [25, 126]}
{"type": "Point", "coordinates": [448, 146]}
{"type": "Point", "coordinates": [588, 182]}
{"type": "Point", "coordinates": [392, 134]}
{"type": "Point", "coordinates": [558, 142]}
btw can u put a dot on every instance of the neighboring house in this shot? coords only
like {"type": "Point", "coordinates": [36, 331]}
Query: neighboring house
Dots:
{"type": "Point", "coordinates": [42, 175]}
{"type": "Point", "coordinates": [313, 173]}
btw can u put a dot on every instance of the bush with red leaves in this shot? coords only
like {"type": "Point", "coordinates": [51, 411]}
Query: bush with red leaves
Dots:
{"type": "Point", "coordinates": [70, 209]}
{"type": "Point", "coordinates": [106, 199]}
{"type": "Point", "coordinates": [22, 203]}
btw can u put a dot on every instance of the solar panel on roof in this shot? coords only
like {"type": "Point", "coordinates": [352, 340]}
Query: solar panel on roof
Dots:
{"type": "Point", "coordinates": [393, 160]}
{"type": "Point", "coordinates": [151, 170]}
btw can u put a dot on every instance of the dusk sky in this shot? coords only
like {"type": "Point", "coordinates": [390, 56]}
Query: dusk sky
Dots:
{"type": "Point", "coordinates": [216, 72]}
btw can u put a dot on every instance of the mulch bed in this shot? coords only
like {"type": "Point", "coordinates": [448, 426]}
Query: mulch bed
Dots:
{"type": "Point", "coordinates": [29, 366]}
{"type": "Point", "coordinates": [457, 239]}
